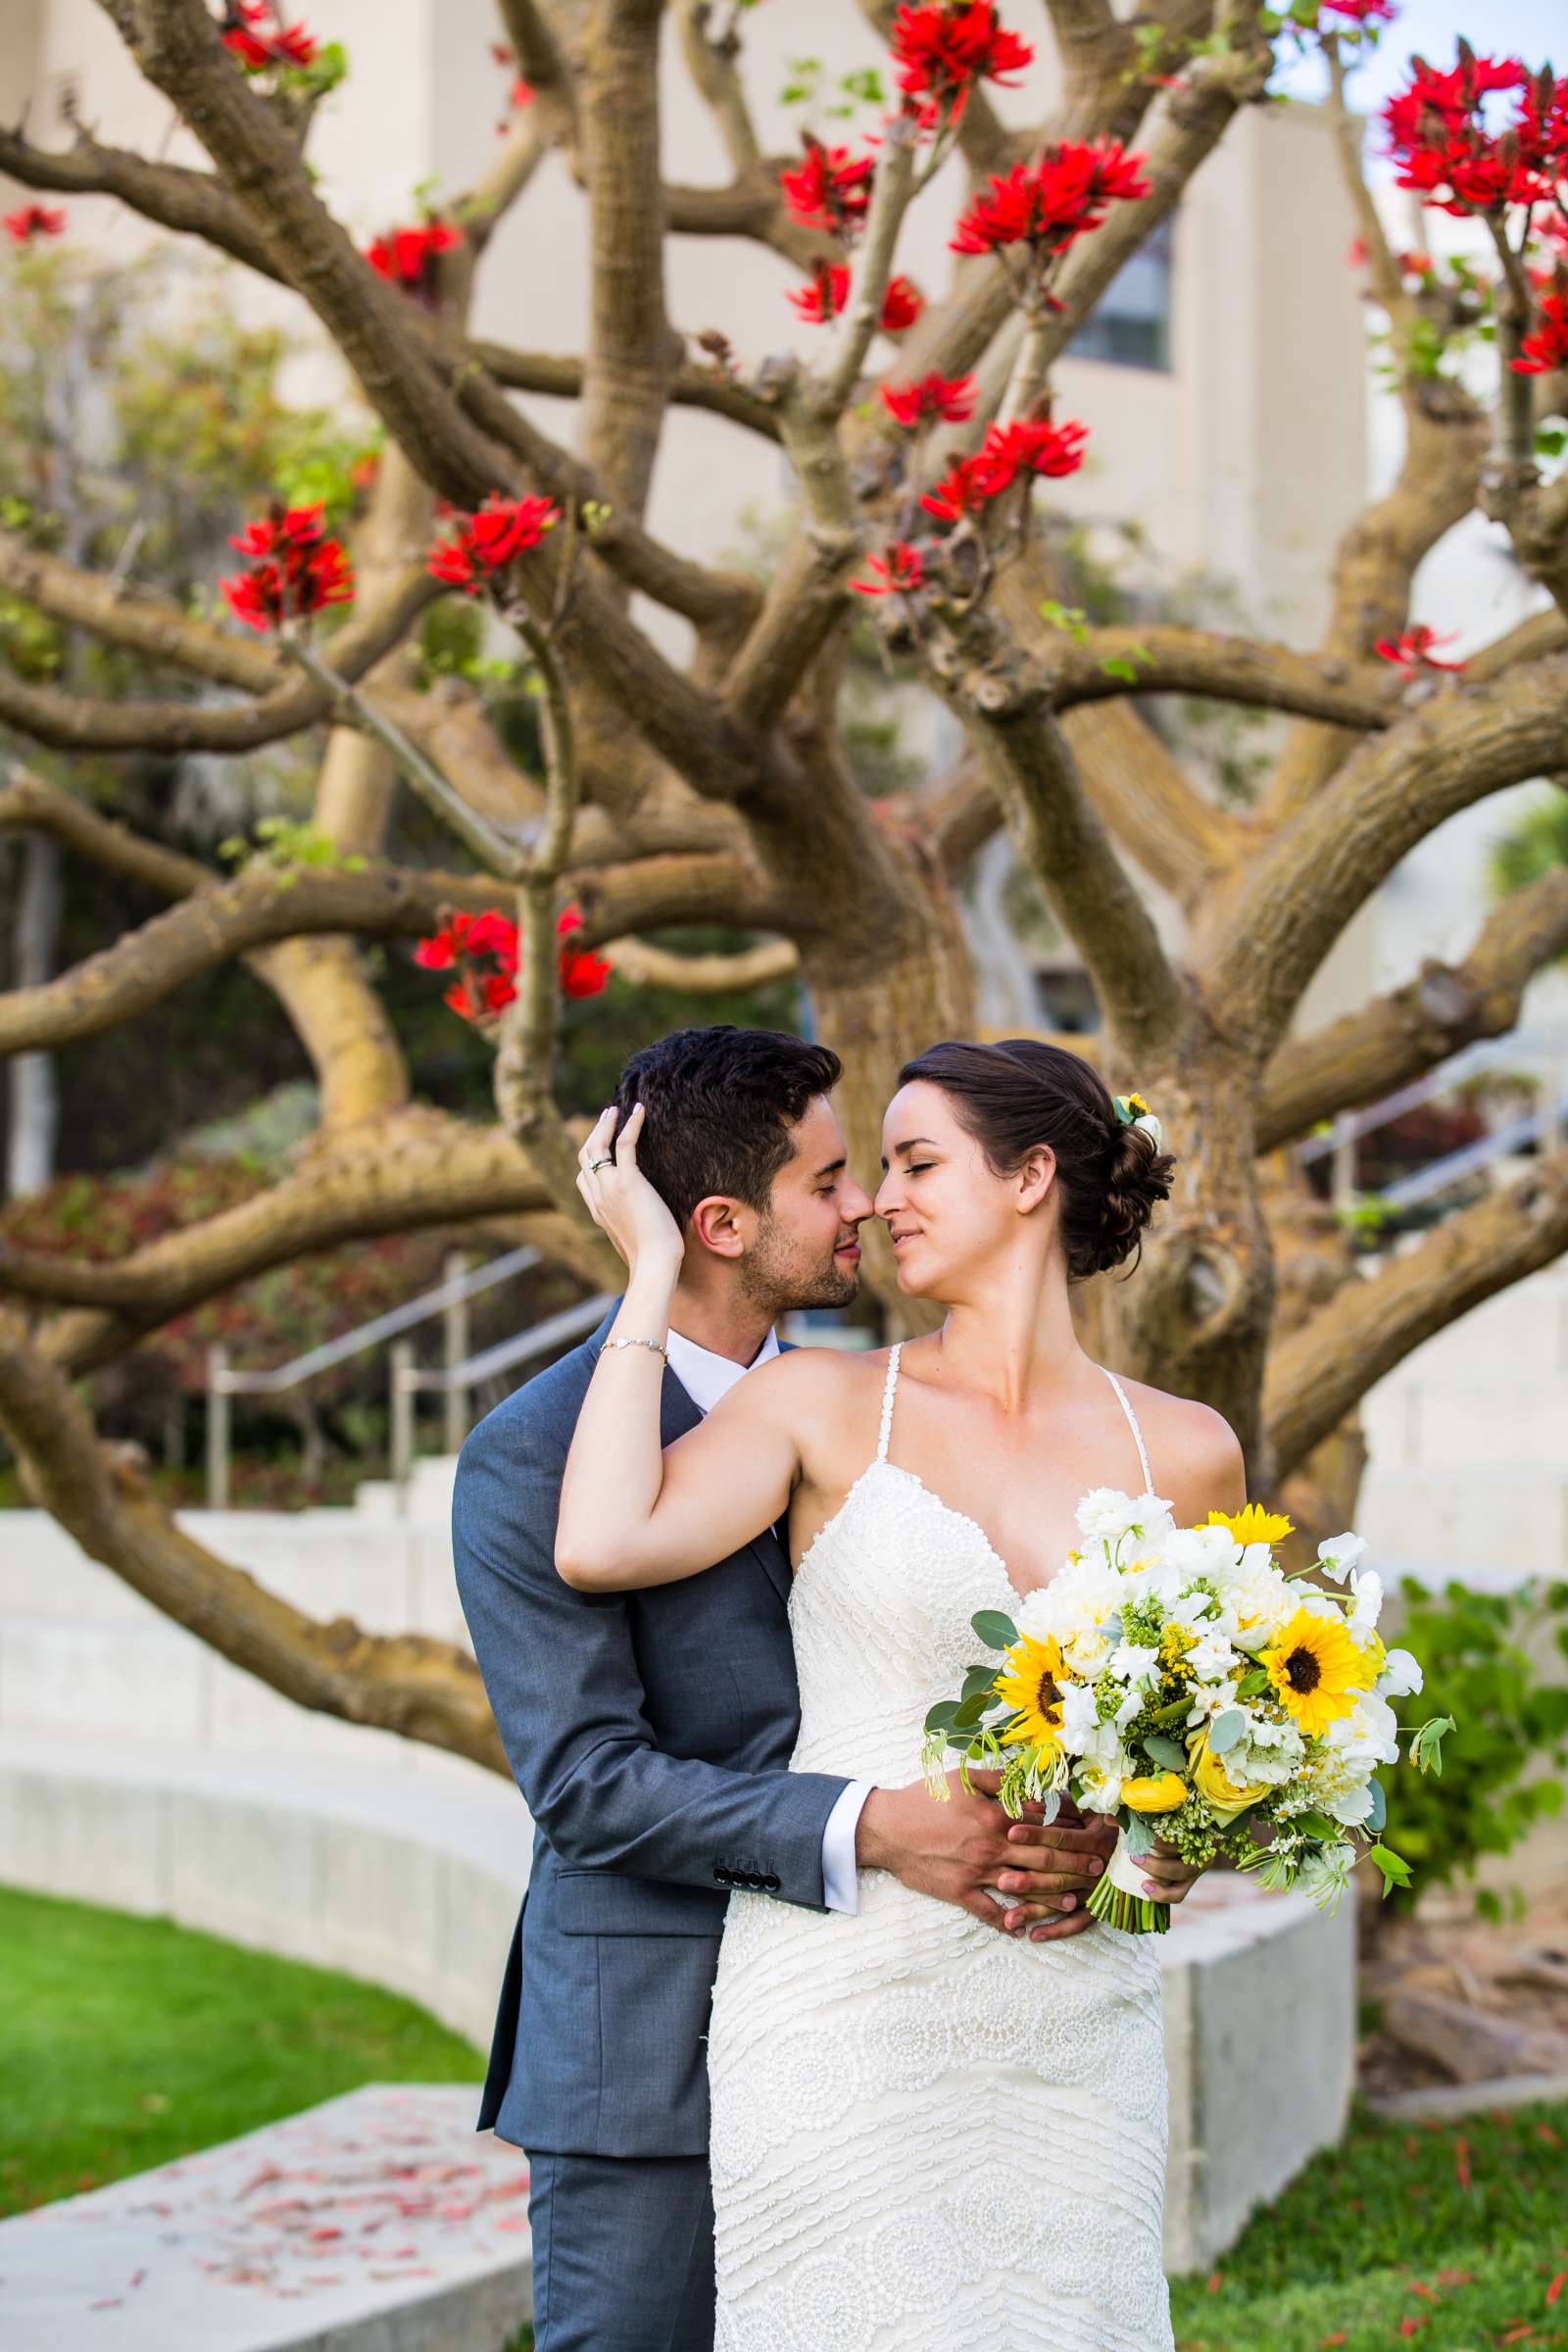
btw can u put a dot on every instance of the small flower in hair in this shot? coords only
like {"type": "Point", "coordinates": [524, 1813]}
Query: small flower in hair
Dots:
{"type": "Point", "coordinates": [1133, 1112]}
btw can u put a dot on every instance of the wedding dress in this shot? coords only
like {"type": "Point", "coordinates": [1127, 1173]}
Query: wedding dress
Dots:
{"type": "Point", "coordinates": [924, 2132]}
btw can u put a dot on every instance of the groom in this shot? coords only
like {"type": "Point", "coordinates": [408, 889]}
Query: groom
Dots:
{"type": "Point", "coordinates": [649, 1732]}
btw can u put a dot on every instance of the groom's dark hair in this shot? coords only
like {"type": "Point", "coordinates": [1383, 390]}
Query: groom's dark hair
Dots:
{"type": "Point", "coordinates": [720, 1103]}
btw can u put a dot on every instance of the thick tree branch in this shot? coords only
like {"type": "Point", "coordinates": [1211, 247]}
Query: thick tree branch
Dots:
{"type": "Point", "coordinates": [650, 967]}
{"type": "Point", "coordinates": [1268, 937]}
{"type": "Point", "coordinates": [1323, 1369]}
{"type": "Point", "coordinates": [1381, 1046]}
{"type": "Point", "coordinates": [217, 923]}
{"type": "Point", "coordinates": [418, 1168]}
{"type": "Point", "coordinates": [558, 374]}
{"type": "Point", "coordinates": [632, 352]}
{"type": "Point", "coordinates": [1161, 659]}
{"type": "Point", "coordinates": [191, 202]}
{"type": "Point", "coordinates": [405, 1683]}
{"type": "Point", "coordinates": [1006, 709]}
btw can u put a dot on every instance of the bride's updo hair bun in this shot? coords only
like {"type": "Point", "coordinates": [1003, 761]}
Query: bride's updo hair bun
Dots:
{"type": "Point", "coordinates": [1021, 1093]}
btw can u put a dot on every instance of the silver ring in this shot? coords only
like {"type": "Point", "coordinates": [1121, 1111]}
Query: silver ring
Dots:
{"type": "Point", "coordinates": [606, 1162]}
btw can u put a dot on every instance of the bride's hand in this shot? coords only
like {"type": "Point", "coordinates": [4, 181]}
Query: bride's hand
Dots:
{"type": "Point", "coordinates": [620, 1200]}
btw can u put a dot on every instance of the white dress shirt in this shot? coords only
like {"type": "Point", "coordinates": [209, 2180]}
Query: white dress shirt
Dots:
{"type": "Point", "coordinates": [705, 1378]}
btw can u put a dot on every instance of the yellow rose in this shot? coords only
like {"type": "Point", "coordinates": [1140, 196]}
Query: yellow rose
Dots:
{"type": "Point", "coordinates": [1225, 1799]}
{"type": "Point", "coordinates": [1161, 1794]}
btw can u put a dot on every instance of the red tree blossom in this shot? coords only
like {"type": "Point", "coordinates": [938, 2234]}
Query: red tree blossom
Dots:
{"type": "Point", "coordinates": [33, 220]}
{"type": "Point", "coordinates": [295, 570]}
{"type": "Point", "coordinates": [831, 189]}
{"type": "Point", "coordinates": [1459, 155]}
{"type": "Point", "coordinates": [255, 37]}
{"type": "Point", "coordinates": [1359, 12]}
{"type": "Point", "coordinates": [409, 256]}
{"type": "Point", "coordinates": [949, 398]}
{"type": "Point", "coordinates": [1547, 350]}
{"type": "Point", "coordinates": [482, 951]}
{"type": "Point", "coordinates": [1033, 444]}
{"type": "Point", "coordinates": [962, 490]}
{"type": "Point", "coordinates": [1412, 653]}
{"type": "Point", "coordinates": [1049, 204]}
{"type": "Point", "coordinates": [898, 571]}
{"type": "Point", "coordinates": [503, 530]}
{"type": "Point", "coordinates": [940, 50]}
{"type": "Point", "coordinates": [824, 298]}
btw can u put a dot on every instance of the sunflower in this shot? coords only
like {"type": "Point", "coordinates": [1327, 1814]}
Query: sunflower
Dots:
{"type": "Point", "coordinates": [1254, 1524]}
{"type": "Point", "coordinates": [1318, 1670]}
{"type": "Point", "coordinates": [1031, 1683]}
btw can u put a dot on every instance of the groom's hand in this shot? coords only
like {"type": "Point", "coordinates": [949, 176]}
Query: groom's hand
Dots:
{"type": "Point", "coordinates": [959, 1850]}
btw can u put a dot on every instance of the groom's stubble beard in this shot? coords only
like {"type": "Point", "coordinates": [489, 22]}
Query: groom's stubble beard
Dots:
{"type": "Point", "coordinates": [777, 1276]}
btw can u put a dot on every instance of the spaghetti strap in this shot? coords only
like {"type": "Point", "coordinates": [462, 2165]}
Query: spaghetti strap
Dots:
{"type": "Point", "coordinates": [1132, 1417]}
{"type": "Point", "coordinates": [889, 1391]}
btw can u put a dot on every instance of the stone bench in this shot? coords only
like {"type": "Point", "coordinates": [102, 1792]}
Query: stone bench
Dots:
{"type": "Point", "coordinates": [378, 2221]}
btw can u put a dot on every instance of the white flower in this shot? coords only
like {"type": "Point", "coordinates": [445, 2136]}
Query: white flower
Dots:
{"type": "Point", "coordinates": [1080, 1717]}
{"type": "Point", "coordinates": [1338, 1554]}
{"type": "Point", "coordinates": [1324, 1876]}
{"type": "Point", "coordinates": [1100, 1786]}
{"type": "Point", "coordinates": [1211, 1657]}
{"type": "Point", "coordinates": [1077, 1601]}
{"type": "Point", "coordinates": [1268, 1751]}
{"type": "Point", "coordinates": [1203, 1551]}
{"type": "Point", "coordinates": [1128, 1707]}
{"type": "Point", "coordinates": [1368, 1591]}
{"type": "Point", "coordinates": [1105, 1513]}
{"type": "Point", "coordinates": [1130, 1661]}
{"type": "Point", "coordinates": [1368, 1735]}
{"type": "Point", "coordinates": [1400, 1677]}
{"type": "Point", "coordinates": [1209, 1701]}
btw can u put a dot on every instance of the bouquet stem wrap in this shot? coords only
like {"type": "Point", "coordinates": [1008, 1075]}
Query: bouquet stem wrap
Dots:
{"type": "Point", "coordinates": [1118, 1896]}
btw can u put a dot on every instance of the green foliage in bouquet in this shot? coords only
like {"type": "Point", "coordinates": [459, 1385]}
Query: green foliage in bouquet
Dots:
{"type": "Point", "coordinates": [1473, 1649]}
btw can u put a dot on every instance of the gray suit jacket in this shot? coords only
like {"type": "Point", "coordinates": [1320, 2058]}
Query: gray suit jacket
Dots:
{"type": "Point", "coordinates": [649, 1733]}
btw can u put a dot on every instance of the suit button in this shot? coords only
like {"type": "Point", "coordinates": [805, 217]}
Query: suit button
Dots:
{"type": "Point", "coordinates": [772, 1883]}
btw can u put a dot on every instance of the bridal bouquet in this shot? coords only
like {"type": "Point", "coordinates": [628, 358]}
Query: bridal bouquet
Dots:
{"type": "Point", "coordinates": [1178, 1679]}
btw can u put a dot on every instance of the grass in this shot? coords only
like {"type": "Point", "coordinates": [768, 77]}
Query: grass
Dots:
{"type": "Point", "coordinates": [1450, 2236]}
{"type": "Point", "coordinates": [125, 2042]}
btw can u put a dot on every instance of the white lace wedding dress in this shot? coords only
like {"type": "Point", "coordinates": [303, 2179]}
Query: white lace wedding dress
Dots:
{"type": "Point", "coordinates": [926, 2134]}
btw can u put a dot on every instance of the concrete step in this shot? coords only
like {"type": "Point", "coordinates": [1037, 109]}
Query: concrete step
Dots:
{"type": "Point", "coordinates": [378, 2221]}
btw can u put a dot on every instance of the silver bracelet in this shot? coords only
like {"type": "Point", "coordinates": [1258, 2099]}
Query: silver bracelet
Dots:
{"type": "Point", "coordinates": [657, 1345]}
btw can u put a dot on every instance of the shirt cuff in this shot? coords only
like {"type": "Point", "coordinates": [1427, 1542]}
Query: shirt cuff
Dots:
{"type": "Point", "coordinates": [841, 1888]}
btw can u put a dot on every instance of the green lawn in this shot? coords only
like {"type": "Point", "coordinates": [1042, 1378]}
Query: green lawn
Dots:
{"type": "Point", "coordinates": [1452, 2236]}
{"type": "Point", "coordinates": [125, 2042]}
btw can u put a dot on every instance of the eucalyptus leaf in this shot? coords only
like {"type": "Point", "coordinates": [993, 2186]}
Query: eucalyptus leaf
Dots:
{"type": "Point", "coordinates": [1379, 1814]}
{"type": "Point", "coordinates": [1140, 1836]}
{"type": "Point", "coordinates": [969, 1711]}
{"type": "Point", "coordinates": [1225, 1731]}
{"type": "Point", "coordinates": [1160, 1751]}
{"type": "Point", "coordinates": [979, 1678]}
{"type": "Point", "coordinates": [941, 1717]}
{"type": "Point", "coordinates": [994, 1631]}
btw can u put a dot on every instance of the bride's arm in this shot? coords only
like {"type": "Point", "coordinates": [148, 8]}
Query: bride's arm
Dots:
{"type": "Point", "coordinates": [631, 1513]}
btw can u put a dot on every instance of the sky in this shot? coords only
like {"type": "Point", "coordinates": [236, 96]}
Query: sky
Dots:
{"type": "Point", "coordinates": [1535, 30]}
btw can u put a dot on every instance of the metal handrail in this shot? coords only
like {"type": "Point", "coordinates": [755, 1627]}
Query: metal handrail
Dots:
{"type": "Point", "coordinates": [1436, 1178]}
{"type": "Point", "coordinates": [1349, 1125]}
{"type": "Point", "coordinates": [411, 1380]}
{"type": "Point", "coordinates": [449, 1298]}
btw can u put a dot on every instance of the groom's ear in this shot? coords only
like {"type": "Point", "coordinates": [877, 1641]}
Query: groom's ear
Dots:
{"type": "Point", "coordinates": [719, 1225]}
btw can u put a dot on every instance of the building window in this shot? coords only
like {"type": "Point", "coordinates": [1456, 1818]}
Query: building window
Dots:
{"type": "Point", "coordinates": [1130, 324]}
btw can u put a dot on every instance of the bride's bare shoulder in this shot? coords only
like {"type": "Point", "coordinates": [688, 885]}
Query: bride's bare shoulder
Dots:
{"type": "Point", "coordinates": [1183, 1434]}
{"type": "Point", "coordinates": [824, 1386]}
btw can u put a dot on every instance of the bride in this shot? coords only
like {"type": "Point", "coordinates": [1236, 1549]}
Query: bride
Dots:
{"type": "Point", "coordinates": [924, 2131]}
